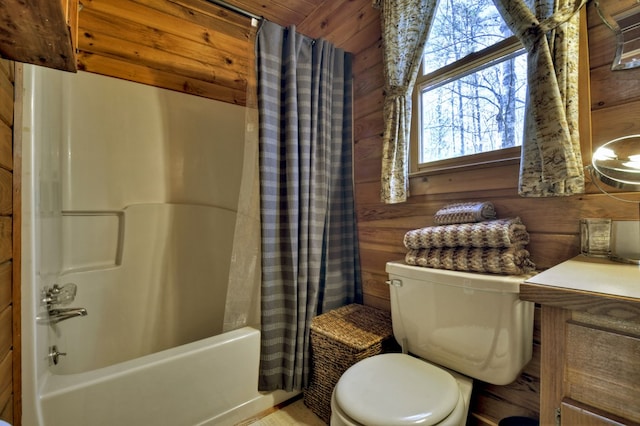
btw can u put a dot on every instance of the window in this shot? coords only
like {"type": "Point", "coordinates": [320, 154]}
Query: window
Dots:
{"type": "Point", "coordinates": [471, 91]}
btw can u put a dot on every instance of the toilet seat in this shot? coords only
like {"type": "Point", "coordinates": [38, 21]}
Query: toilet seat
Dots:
{"type": "Point", "coordinates": [396, 389]}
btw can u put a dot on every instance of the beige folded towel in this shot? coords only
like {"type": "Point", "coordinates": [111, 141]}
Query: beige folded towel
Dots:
{"type": "Point", "coordinates": [505, 261]}
{"type": "Point", "coordinates": [492, 233]}
{"type": "Point", "coordinates": [465, 213]}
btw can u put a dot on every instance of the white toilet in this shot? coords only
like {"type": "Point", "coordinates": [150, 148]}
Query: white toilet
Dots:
{"type": "Point", "coordinates": [454, 325]}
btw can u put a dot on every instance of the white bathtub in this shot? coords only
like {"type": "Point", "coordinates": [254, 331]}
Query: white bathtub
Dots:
{"type": "Point", "coordinates": [148, 244]}
{"type": "Point", "coordinates": [157, 279]}
{"type": "Point", "coordinates": [209, 382]}
{"type": "Point", "coordinates": [151, 349]}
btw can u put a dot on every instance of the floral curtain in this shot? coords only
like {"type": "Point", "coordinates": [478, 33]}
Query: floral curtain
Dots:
{"type": "Point", "coordinates": [405, 27]}
{"type": "Point", "coordinates": [551, 162]}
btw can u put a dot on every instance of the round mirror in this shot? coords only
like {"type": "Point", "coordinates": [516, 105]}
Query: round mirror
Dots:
{"type": "Point", "coordinates": [617, 163]}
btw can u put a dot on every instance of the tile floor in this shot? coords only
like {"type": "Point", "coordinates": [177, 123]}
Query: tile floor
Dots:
{"type": "Point", "coordinates": [295, 413]}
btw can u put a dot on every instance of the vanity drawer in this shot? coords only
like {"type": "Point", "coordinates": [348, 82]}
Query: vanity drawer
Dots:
{"type": "Point", "coordinates": [603, 369]}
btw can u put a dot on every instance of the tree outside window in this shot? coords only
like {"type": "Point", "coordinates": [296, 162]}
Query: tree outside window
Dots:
{"type": "Point", "coordinates": [471, 94]}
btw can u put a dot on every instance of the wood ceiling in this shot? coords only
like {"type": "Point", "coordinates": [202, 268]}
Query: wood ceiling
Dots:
{"type": "Point", "coordinates": [282, 12]}
{"type": "Point", "coordinates": [348, 24]}
{"type": "Point", "coordinates": [40, 32]}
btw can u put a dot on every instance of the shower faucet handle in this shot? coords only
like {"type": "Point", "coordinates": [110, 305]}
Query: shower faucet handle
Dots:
{"type": "Point", "coordinates": [59, 295]}
{"type": "Point", "coordinates": [54, 355]}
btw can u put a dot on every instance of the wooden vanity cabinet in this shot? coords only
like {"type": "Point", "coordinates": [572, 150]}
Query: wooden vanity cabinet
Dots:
{"type": "Point", "coordinates": [590, 357]}
{"type": "Point", "coordinates": [575, 413]}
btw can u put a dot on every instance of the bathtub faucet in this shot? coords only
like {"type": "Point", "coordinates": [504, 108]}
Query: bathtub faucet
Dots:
{"type": "Point", "coordinates": [61, 314]}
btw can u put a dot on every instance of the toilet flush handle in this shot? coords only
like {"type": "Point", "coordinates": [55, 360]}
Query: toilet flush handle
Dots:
{"type": "Point", "coordinates": [394, 283]}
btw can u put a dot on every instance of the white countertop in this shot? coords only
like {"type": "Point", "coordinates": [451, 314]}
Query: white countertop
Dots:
{"type": "Point", "coordinates": [593, 274]}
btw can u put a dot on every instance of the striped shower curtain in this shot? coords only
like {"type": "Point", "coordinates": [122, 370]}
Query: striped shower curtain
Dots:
{"type": "Point", "coordinates": [310, 261]}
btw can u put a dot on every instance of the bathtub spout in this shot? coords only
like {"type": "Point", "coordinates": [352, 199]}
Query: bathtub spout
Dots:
{"type": "Point", "coordinates": [57, 315]}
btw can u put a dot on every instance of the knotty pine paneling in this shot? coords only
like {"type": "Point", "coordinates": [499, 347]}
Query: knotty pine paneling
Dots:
{"type": "Point", "coordinates": [283, 12]}
{"type": "Point", "coordinates": [9, 308]}
{"type": "Point", "coordinates": [347, 24]}
{"type": "Point", "coordinates": [6, 243]}
{"type": "Point", "coordinates": [6, 192]}
{"type": "Point", "coordinates": [6, 319]}
{"type": "Point", "coordinates": [6, 100]}
{"type": "Point", "coordinates": [150, 52]}
{"type": "Point", "coordinates": [5, 285]}
{"type": "Point", "coordinates": [609, 89]}
{"type": "Point", "coordinates": [7, 69]}
{"type": "Point", "coordinates": [185, 45]}
{"type": "Point", "coordinates": [552, 222]}
{"type": "Point", "coordinates": [197, 48]}
{"type": "Point", "coordinates": [609, 123]}
{"type": "Point", "coordinates": [6, 135]}
{"type": "Point", "coordinates": [6, 383]}
{"type": "Point", "coordinates": [608, 92]}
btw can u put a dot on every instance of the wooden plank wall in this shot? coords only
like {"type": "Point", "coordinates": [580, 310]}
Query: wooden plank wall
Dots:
{"type": "Point", "coordinates": [615, 95]}
{"type": "Point", "coordinates": [189, 46]}
{"type": "Point", "coordinates": [7, 306]}
{"type": "Point", "coordinates": [552, 222]}
{"type": "Point", "coordinates": [197, 48]}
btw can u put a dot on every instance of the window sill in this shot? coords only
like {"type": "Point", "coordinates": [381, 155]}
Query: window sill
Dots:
{"type": "Point", "coordinates": [471, 163]}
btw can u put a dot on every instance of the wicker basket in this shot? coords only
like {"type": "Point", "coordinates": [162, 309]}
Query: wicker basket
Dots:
{"type": "Point", "coordinates": [339, 339]}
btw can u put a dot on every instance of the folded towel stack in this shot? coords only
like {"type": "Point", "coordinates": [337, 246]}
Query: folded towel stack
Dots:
{"type": "Point", "coordinates": [505, 261]}
{"type": "Point", "coordinates": [474, 245]}
{"type": "Point", "coordinates": [465, 213]}
{"type": "Point", "coordinates": [493, 233]}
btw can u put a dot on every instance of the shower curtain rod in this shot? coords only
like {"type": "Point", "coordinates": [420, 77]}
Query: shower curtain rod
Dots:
{"type": "Point", "coordinates": [235, 9]}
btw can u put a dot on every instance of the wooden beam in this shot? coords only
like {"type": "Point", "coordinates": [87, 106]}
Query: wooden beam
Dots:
{"type": "Point", "coordinates": [36, 32]}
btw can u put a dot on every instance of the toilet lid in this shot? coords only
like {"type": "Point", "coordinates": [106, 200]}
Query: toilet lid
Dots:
{"type": "Point", "coordinates": [396, 389]}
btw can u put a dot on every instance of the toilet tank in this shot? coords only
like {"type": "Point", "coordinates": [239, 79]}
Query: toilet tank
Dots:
{"type": "Point", "coordinates": [472, 323]}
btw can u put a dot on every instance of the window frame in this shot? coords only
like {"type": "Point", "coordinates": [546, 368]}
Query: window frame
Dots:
{"type": "Point", "coordinates": [448, 73]}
